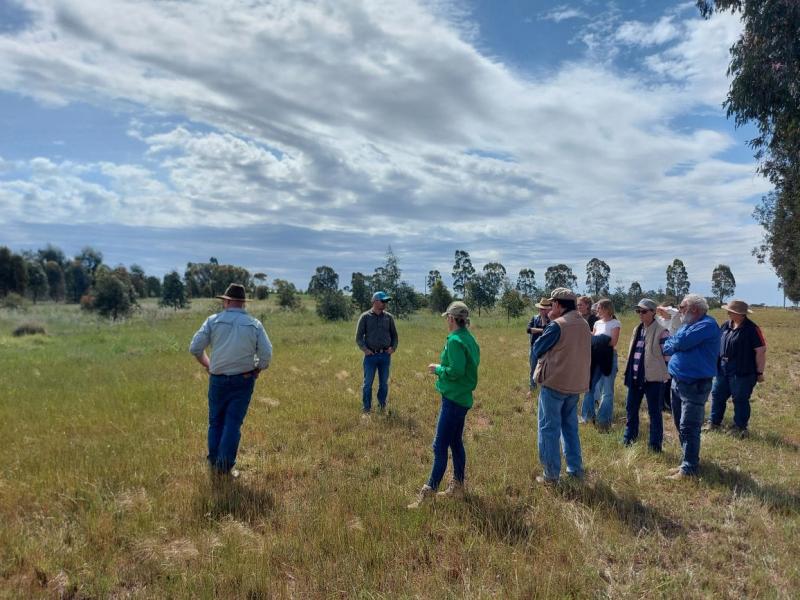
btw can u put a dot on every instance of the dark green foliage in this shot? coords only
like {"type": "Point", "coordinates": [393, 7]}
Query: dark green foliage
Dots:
{"type": "Point", "coordinates": [153, 286]}
{"type": "Point", "coordinates": [173, 291]}
{"type": "Point", "coordinates": [262, 292]}
{"type": "Point", "coordinates": [287, 294]}
{"type": "Point", "coordinates": [139, 281]}
{"type": "Point", "coordinates": [677, 279]}
{"type": "Point", "coordinates": [333, 305]}
{"type": "Point", "coordinates": [764, 71]}
{"type": "Point", "coordinates": [635, 293]}
{"type": "Point", "coordinates": [526, 284]}
{"type": "Point", "coordinates": [559, 275]}
{"type": "Point", "coordinates": [55, 280]}
{"type": "Point", "coordinates": [13, 301]}
{"type": "Point", "coordinates": [206, 280]}
{"type": "Point", "coordinates": [110, 296]}
{"type": "Point", "coordinates": [431, 279]}
{"type": "Point", "coordinates": [462, 272]}
{"type": "Point", "coordinates": [440, 297]}
{"type": "Point", "coordinates": [360, 292]}
{"type": "Point", "coordinates": [37, 281]}
{"type": "Point", "coordinates": [479, 293]}
{"type": "Point", "coordinates": [90, 259]}
{"type": "Point", "coordinates": [723, 284]}
{"type": "Point", "coordinates": [597, 275]}
{"type": "Point", "coordinates": [77, 281]}
{"type": "Point", "coordinates": [512, 302]}
{"type": "Point", "coordinates": [324, 280]}
{"type": "Point", "coordinates": [53, 253]}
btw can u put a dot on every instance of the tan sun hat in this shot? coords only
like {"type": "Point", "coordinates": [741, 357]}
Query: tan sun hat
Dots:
{"type": "Point", "coordinates": [544, 303]}
{"type": "Point", "coordinates": [740, 307]}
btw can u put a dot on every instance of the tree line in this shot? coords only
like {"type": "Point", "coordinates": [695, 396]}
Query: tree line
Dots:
{"type": "Point", "coordinates": [49, 274]}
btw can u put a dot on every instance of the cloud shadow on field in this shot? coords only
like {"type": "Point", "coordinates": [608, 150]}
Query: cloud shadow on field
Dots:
{"type": "Point", "coordinates": [627, 508]}
{"type": "Point", "coordinates": [235, 499]}
{"type": "Point", "coordinates": [775, 497]}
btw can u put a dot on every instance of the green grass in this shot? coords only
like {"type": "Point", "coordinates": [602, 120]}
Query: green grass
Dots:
{"type": "Point", "coordinates": [104, 492]}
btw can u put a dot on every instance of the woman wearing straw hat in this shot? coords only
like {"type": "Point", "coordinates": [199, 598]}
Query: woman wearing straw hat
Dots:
{"type": "Point", "coordinates": [457, 377]}
{"type": "Point", "coordinates": [741, 363]}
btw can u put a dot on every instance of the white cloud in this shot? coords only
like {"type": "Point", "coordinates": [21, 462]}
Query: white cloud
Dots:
{"type": "Point", "coordinates": [563, 13]}
{"type": "Point", "coordinates": [383, 118]}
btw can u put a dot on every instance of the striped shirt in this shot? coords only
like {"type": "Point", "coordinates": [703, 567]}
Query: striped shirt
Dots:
{"type": "Point", "coordinates": [637, 366]}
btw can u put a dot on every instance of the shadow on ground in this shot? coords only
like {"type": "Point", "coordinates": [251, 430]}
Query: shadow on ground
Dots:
{"type": "Point", "coordinates": [774, 496]}
{"type": "Point", "coordinates": [236, 499]}
{"type": "Point", "coordinates": [627, 508]}
{"type": "Point", "coordinates": [501, 520]}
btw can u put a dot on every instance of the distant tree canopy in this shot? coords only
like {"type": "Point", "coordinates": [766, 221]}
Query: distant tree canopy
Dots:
{"type": "Point", "coordinates": [325, 279]}
{"type": "Point", "coordinates": [360, 291]}
{"type": "Point", "coordinates": [287, 294]}
{"type": "Point", "coordinates": [597, 275]}
{"type": "Point", "coordinates": [635, 293]}
{"type": "Point", "coordinates": [173, 291]}
{"type": "Point", "coordinates": [764, 71]}
{"type": "Point", "coordinates": [462, 272]}
{"type": "Point", "coordinates": [333, 305]}
{"type": "Point", "coordinates": [512, 302]}
{"type": "Point", "coordinates": [526, 284]}
{"type": "Point", "coordinates": [110, 296]}
{"type": "Point", "coordinates": [723, 284]}
{"type": "Point", "coordinates": [440, 297]}
{"type": "Point", "coordinates": [431, 279]}
{"type": "Point", "coordinates": [560, 276]}
{"type": "Point", "coordinates": [206, 280]}
{"type": "Point", "coordinates": [677, 280]}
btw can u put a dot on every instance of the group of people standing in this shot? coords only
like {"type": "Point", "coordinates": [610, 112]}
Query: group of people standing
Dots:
{"type": "Point", "coordinates": [573, 352]}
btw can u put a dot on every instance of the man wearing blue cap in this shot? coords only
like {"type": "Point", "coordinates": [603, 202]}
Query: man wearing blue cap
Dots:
{"type": "Point", "coordinates": [376, 337]}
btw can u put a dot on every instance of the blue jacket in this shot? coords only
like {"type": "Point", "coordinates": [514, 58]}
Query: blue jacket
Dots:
{"type": "Point", "coordinates": [694, 349]}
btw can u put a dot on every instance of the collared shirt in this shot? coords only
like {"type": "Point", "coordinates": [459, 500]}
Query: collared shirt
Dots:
{"type": "Point", "coordinates": [375, 331]}
{"type": "Point", "coordinates": [694, 350]}
{"type": "Point", "coordinates": [238, 341]}
{"type": "Point", "coordinates": [537, 322]}
{"type": "Point", "coordinates": [548, 339]}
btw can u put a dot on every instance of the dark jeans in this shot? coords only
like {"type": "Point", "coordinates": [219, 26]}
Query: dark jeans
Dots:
{"type": "Point", "coordinates": [380, 363]}
{"type": "Point", "coordinates": [228, 399]}
{"type": "Point", "coordinates": [688, 408]}
{"type": "Point", "coordinates": [653, 391]}
{"type": "Point", "coordinates": [449, 430]}
{"type": "Point", "coordinates": [740, 387]}
{"type": "Point", "coordinates": [666, 392]}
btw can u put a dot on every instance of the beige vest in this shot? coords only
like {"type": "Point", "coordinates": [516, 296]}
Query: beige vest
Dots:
{"type": "Point", "coordinates": [565, 367]}
{"type": "Point", "coordinates": [655, 367]}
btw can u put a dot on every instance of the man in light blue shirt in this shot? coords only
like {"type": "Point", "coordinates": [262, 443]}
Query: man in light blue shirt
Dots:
{"type": "Point", "coordinates": [240, 351]}
{"type": "Point", "coordinates": [694, 350]}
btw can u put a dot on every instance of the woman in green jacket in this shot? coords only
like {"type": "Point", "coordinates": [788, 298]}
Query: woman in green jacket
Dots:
{"type": "Point", "coordinates": [457, 377]}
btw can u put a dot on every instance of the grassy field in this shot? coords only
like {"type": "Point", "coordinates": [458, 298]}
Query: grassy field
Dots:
{"type": "Point", "coordinates": [104, 491]}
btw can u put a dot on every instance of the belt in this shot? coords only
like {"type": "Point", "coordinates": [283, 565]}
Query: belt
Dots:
{"type": "Point", "coordinates": [246, 374]}
{"type": "Point", "coordinates": [381, 351]}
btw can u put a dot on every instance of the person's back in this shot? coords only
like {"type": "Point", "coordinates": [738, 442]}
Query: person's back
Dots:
{"type": "Point", "coordinates": [234, 339]}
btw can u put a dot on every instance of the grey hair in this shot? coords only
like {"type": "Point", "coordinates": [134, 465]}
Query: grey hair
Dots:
{"type": "Point", "coordinates": [696, 300]}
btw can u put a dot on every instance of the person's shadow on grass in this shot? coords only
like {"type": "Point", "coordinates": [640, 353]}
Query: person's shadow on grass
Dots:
{"type": "Point", "coordinates": [223, 497]}
{"type": "Point", "coordinates": [776, 497]}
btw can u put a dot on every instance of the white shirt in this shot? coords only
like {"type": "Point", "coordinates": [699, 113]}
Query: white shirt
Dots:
{"type": "Point", "coordinates": [606, 327]}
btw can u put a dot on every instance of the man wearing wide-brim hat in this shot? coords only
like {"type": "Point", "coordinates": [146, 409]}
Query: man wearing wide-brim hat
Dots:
{"type": "Point", "coordinates": [564, 357]}
{"type": "Point", "coordinates": [742, 359]}
{"type": "Point", "coordinates": [240, 351]}
{"type": "Point", "coordinates": [535, 329]}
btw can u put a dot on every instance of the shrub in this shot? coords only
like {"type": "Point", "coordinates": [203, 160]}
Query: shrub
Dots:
{"type": "Point", "coordinates": [262, 292]}
{"type": "Point", "coordinates": [15, 302]}
{"type": "Point", "coordinates": [29, 329]}
{"type": "Point", "coordinates": [334, 306]}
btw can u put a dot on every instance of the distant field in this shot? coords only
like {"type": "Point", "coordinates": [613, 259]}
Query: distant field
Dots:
{"type": "Point", "coordinates": [104, 491]}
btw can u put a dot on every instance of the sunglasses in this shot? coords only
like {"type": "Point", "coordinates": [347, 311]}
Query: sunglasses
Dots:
{"type": "Point", "coordinates": [639, 311]}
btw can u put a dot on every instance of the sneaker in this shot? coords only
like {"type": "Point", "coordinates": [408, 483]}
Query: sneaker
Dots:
{"type": "Point", "coordinates": [454, 490]}
{"type": "Point", "coordinates": [674, 471]}
{"type": "Point", "coordinates": [582, 421]}
{"type": "Point", "coordinates": [234, 473]}
{"type": "Point", "coordinates": [545, 481]}
{"type": "Point", "coordinates": [425, 494]}
{"type": "Point", "coordinates": [709, 426]}
{"type": "Point", "coordinates": [680, 475]}
{"type": "Point", "coordinates": [739, 432]}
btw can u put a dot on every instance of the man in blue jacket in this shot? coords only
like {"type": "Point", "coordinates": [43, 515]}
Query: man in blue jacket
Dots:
{"type": "Point", "coordinates": [694, 349]}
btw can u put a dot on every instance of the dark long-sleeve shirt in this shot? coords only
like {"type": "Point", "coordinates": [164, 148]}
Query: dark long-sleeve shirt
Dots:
{"type": "Point", "coordinates": [376, 332]}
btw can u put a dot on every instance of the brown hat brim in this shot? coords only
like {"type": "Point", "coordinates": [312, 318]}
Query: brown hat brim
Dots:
{"type": "Point", "coordinates": [727, 308]}
{"type": "Point", "coordinates": [224, 297]}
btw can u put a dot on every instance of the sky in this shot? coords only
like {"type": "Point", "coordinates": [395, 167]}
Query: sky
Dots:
{"type": "Point", "coordinates": [285, 135]}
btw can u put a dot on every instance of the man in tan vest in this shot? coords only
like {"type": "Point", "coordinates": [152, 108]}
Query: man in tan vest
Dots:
{"type": "Point", "coordinates": [645, 375]}
{"type": "Point", "coordinates": [564, 353]}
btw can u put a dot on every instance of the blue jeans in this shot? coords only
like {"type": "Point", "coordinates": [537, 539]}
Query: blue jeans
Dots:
{"type": "Point", "coordinates": [558, 418]}
{"type": "Point", "coordinates": [380, 363]}
{"type": "Point", "coordinates": [653, 391]}
{"type": "Point", "coordinates": [740, 387]}
{"type": "Point", "coordinates": [228, 399]}
{"type": "Point", "coordinates": [588, 407]}
{"type": "Point", "coordinates": [449, 431]}
{"type": "Point", "coordinates": [688, 408]}
{"type": "Point", "coordinates": [533, 361]}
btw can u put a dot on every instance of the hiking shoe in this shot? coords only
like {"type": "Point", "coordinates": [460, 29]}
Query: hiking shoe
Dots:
{"type": "Point", "coordinates": [709, 426]}
{"type": "Point", "coordinates": [738, 432]}
{"type": "Point", "coordinates": [681, 474]}
{"type": "Point", "coordinates": [673, 471]}
{"type": "Point", "coordinates": [454, 490]}
{"type": "Point", "coordinates": [423, 497]}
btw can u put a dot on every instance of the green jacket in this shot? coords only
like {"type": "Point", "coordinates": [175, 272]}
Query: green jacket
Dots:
{"type": "Point", "coordinates": [458, 371]}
